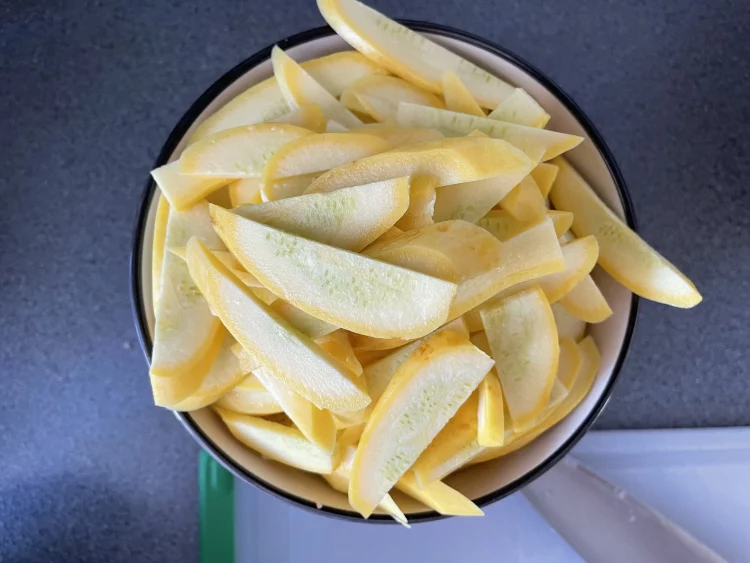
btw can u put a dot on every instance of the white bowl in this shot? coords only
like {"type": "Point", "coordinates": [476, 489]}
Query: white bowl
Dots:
{"type": "Point", "coordinates": [484, 483]}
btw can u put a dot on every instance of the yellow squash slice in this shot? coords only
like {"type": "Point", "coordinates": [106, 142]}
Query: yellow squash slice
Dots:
{"type": "Point", "coordinates": [225, 373]}
{"type": "Point", "coordinates": [544, 175]}
{"type": "Point", "coordinates": [250, 397]}
{"type": "Point", "coordinates": [315, 424]}
{"type": "Point", "coordinates": [538, 144]}
{"type": "Point", "coordinates": [290, 356]}
{"type": "Point", "coordinates": [504, 226]}
{"type": "Point", "coordinates": [530, 255]}
{"type": "Point", "coordinates": [570, 362]}
{"type": "Point", "coordinates": [457, 96]}
{"type": "Point", "coordinates": [278, 442]}
{"type": "Point", "coordinates": [421, 203]}
{"type": "Point", "coordinates": [398, 137]}
{"type": "Point", "coordinates": [288, 187]}
{"type": "Point", "coordinates": [337, 345]}
{"type": "Point", "coordinates": [622, 253]}
{"type": "Point", "coordinates": [339, 71]}
{"type": "Point", "coordinates": [240, 152]}
{"type": "Point", "coordinates": [455, 445]}
{"type": "Point", "coordinates": [426, 392]}
{"type": "Point", "coordinates": [439, 497]}
{"type": "Point", "coordinates": [586, 302]}
{"type": "Point", "coordinates": [299, 88]}
{"type": "Point", "coordinates": [568, 326]}
{"type": "Point", "coordinates": [386, 92]}
{"type": "Point", "coordinates": [245, 192]}
{"type": "Point", "coordinates": [187, 336]}
{"type": "Point", "coordinates": [591, 361]}
{"type": "Point", "coordinates": [522, 109]}
{"type": "Point", "coordinates": [350, 218]}
{"type": "Point", "coordinates": [523, 338]}
{"type": "Point", "coordinates": [157, 255]}
{"type": "Point", "coordinates": [450, 161]}
{"type": "Point", "coordinates": [181, 191]}
{"type": "Point", "coordinates": [349, 290]}
{"type": "Point", "coordinates": [307, 116]}
{"type": "Point", "coordinates": [306, 324]}
{"type": "Point", "coordinates": [408, 54]}
{"type": "Point", "coordinates": [471, 201]}
{"type": "Point", "coordinates": [339, 481]}
{"type": "Point", "coordinates": [525, 201]}
{"type": "Point", "coordinates": [491, 423]}
{"type": "Point", "coordinates": [313, 154]}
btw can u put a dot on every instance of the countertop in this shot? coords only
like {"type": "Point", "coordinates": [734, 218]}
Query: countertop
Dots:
{"type": "Point", "coordinates": [90, 470]}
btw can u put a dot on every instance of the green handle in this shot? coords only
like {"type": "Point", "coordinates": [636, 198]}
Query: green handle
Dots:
{"type": "Point", "coordinates": [216, 511]}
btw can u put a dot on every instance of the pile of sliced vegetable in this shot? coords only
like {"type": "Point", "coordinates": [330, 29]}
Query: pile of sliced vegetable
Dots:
{"type": "Point", "coordinates": [375, 266]}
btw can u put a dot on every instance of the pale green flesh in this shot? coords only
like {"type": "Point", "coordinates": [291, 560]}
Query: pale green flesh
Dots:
{"type": "Point", "coordinates": [346, 289]}
{"type": "Point", "coordinates": [350, 218]}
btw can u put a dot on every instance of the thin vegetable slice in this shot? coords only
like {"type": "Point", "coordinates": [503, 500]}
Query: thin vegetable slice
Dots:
{"type": "Point", "coordinates": [544, 175]}
{"type": "Point", "coordinates": [491, 424]}
{"type": "Point", "coordinates": [525, 201]}
{"type": "Point", "coordinates": [523, 338]}
{"type": "Point", "coordinates": [568, 326]}
{"type": "Point", "coordinates": [278, 442]}
{"type": "Point", "coordinates": [538, 144]}
{"type": "Point", "coordinates": [622, 253]}
{"type": "Point", "coordinates": [350, 218]}
{"type": "Point", "coordinates": [426, 392]}
{"type": "Point", "coordinates": [292, 357]}
{"type": "Point", "coordinates": [388, 91]}
{"type": "Point", "coordinates": [439, 497]}
{"type": "Point", "coordinates": [250, 397]}
{"type": "Point", "coordinates": [157, 254]}
{"type": "Point", "coordinates": [181, 191]}
{"type": "Point", "coordinates": [457, 96]}
{"type": "Point", "coordinates": [346, 289]}
{"type": "Point", "coordinates": [522, 109]}
{"type": "Point", "coordinates": [245, 192]}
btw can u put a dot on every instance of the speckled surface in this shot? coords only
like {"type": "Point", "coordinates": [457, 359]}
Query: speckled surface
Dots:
{"type": "Point", "coordinates": [89, 470]}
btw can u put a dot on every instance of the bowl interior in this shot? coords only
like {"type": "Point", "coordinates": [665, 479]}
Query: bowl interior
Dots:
{"type": "Point", "coordinates": [483, 482]}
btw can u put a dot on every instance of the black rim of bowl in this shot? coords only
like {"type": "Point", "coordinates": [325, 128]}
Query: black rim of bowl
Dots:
{"type": "Point", "coordinates": [139, 310]}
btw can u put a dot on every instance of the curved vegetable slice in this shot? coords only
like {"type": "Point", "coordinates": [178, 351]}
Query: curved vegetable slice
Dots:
{"type": "Point", "coordinates": [457, 96]}
{"type": "Point", "coordinates": [245, 191]}
{"type": "Point", "coordinates": [570, 362]}
{"type": "Point", "coordinates": [522, 109]}
{"type": "Point", "coordinates": [288, 187]}
{"type": "Point", "coordinates": [408, 54]}
{"type": "Point", "coordinates": [346, 289]}
{"type": "Point", "coordinates": [470, 201]}
{"type": "Point", "coordinates": [339, 481]}
{"type": "Point", "coordinates": [568, 326]}
{"type": "Point", "coordinates": [491, 423]}
{"type": "Point", "coordinates": [591, 361]}
{"type": "Point", "coordinates": [350, 218]}
{"type": "Point", "coordinates": [471, 250]}
{"type": "Point", "coordinates": [525, 201]}
{"type": "Point", "coordinates": [586, 302]}
{"type": "Point", "coordinates": [450, 161]}
{"type": "Point", "coordinates": [439, 497]}
{"type": "Point", "coordinates": [623, 254]}
{"type": "Point", "coordinates": [278, 442]}
{"type": "Point", "coordinates": [157, 255]}
{"type": "Point", "coordinates": [181, 191]}
{"type": "Point", "coordinates": [299, 88]}
{"type": "Point", "coordinates": [186, 336]}
{"type": "Point", "coordinates": [504, 226]}
{"type": "Point", "coordinates": [421, 203]}
{"type": "Point", "coordinates": [292, 357]}
{"type": "Point", "coordinates": [426, 392]}
{"type": "Point", "coordinates": [544, 175]}
{"type": "Point", "coordinates": [339, 71]}
{"type": "Point", "coordinates": [315, 424]}
{"type": "Point", "coordinates": [317, 153]}
{"type": "Point", "coordinates": [538, 144]}
{"type": "Point", "coordinates": [523, 338]}
{"type": "Point", "coordinates": [455, 445]}
{"type": "Point", "coordinates": [398, 137]}
{"type": "Point", "coordinates": [224, 374]}
{"type": "Point", "coordinates": [240, 152]}
{"type": "Point", "coordinates": [337, 345]}
{"type": "Point", "coordinates": [530, 255]}
{"type": "Point", "coordinates": [361, 342]}
{"type": "Point", "coordinates": [249, 397]}
{"type": "Point", "coordinates": [379, 96]}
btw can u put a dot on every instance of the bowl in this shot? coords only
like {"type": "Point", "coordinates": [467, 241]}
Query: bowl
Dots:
{"type": "Point", "coordinates": [484, 483]}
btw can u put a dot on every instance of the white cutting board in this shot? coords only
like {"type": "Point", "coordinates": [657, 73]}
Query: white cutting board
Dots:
{"type": "Point", "coordinates": [698, 478]}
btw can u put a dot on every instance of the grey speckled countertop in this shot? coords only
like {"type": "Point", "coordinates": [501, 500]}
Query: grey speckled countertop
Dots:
{"type": "Point", "coordinates": [89, 90]}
